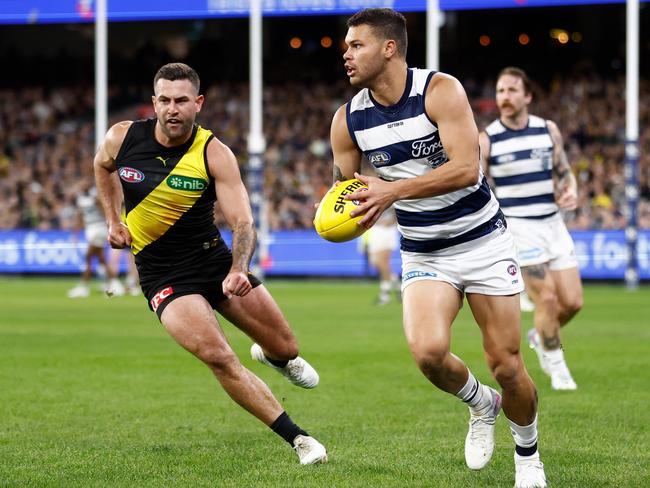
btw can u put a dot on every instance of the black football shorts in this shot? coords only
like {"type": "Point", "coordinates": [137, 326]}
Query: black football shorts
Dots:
{"type": "Point", "coordinates": [202, 275]}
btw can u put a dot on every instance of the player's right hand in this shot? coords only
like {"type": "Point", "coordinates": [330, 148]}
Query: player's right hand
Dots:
{"type": "Point", "coordinates": [236, 284]}
{"type": "Point", "coordinates": [119, 236]}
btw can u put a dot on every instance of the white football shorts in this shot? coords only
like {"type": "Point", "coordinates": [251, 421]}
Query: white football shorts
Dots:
{"type": "Point", "coordinates": [97, 235]}
{"type": "Point", "coordinates": [487, 266]}
{"type": "Point", "coordinates": [543, 241]}
{"type": "Point", "coordinates": [383, 238]}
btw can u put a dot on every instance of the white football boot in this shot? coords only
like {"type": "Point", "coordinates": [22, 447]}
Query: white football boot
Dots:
{"type": "Point", "coordinates": [115, 288]}
{"type": "Point", "coordinates": [479, 443]}
{"type": "Point", "coordinates": [383, 299]}
{"type": "Point", "coordinates": [557, 369]}
{"type": "Point", "coordinates": [309, 450]}
{"type": "Point", "coordinates": [529, 472]}
{"type": "Point", "coordinates": [79, 291]}
{"type": "Point", "coordinates": [561, 378]}
{"type": "Point", "coordinates": [297, 371]}
{"type": "Point", "coordinates": [535, 344]}
{"type": "Point", "coordinates": [525, 303]}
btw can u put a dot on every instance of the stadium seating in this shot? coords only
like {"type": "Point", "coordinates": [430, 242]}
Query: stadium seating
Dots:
{"type": "Point", "coordinates": [46, 145]}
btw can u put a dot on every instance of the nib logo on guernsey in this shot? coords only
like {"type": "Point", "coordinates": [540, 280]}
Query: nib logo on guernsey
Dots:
{"type": "Point", "coordinates": [186, 183]}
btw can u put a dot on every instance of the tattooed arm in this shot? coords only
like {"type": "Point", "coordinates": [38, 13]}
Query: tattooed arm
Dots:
{"type": "Point", "coordinates": [347, 157]}
{"type": "Point", "coordinates": [567, 195]}
{"type": "Point", "coordinates": [230, 188]}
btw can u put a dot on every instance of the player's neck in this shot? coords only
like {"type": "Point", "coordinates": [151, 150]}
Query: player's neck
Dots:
{"type": "Point", "coordinates": [516, 122]}
{"type": "Point", "coordinates": [389, 87]}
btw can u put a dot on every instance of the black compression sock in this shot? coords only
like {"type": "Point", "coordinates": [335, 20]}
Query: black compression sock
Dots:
{"type": "Point", "coordinates": [278, 363]}
{"type": "Point", "coordinates": [285, 428]}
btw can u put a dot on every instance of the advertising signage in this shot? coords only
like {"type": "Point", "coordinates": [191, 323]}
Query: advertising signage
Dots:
{"type": "Point", "coordinates": [602, 254]}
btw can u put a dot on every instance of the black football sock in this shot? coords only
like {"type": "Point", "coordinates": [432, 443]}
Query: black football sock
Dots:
{"type": "Point", "coordinates": [285, 428]}
{"type": "Point", "coordinates": [279, 363]}
{"type": "Point", "coordinates": [526, 451]}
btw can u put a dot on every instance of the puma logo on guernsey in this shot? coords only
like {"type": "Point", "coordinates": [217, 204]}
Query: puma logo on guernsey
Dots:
{"type": "Point", "coordinates": [162, 160]}
{"type": "Point", "coordinates": [186, 183]}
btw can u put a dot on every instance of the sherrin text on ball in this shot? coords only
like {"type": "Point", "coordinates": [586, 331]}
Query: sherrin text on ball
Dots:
{"type": "Point", "coordinates": [333, 221]}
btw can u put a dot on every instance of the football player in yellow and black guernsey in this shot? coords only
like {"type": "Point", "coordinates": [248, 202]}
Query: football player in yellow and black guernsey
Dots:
{"type": "Point", "coordinates": [171, 171]}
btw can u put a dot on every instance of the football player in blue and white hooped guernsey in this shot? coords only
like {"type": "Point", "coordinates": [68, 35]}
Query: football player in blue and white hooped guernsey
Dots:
{"type": "Point", "coordinates": [533, 180]}
{"type": "Point", "coordinates": [417, 129]}
{"type": "Point", "coordinates": [96, 232]}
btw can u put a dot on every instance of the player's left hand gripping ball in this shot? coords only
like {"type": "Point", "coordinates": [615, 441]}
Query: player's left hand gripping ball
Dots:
{"type": "Point", "coordinates": [333, 221]}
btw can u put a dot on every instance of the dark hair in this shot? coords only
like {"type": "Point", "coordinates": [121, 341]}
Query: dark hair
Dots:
{"type": "Point", "coordinates": [386, 23]}
{"type": "Point", "coordinates": [177, 71]}
{"type": "Point", "coordinates": [518, 73]}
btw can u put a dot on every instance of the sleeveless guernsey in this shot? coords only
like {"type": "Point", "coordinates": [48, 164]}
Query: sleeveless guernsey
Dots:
{"type": "Point", "coordinates": [169, 197]}
{"type": "Point", "coordinates": [521, 164]}
{"type": "Point", "coordinates": [402, 142]}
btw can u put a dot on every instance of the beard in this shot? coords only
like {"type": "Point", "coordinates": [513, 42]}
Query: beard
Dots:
{"type": "Point", "coordinates": [178, 131]}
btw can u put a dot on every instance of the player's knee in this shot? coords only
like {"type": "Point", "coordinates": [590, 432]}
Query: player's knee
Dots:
{"type": "Point", "coordinates": [548, 301]}
{"type": "Point", "coordinates": [507, 370]}
{"type": "Point", "coordinates": [219, 359]}
{"type": "Point", "coordinates": [573, 306]}
{"type": "Point", "coordinates": [283, 350]}
{"type": "Point", "coordinates": [430, 357]}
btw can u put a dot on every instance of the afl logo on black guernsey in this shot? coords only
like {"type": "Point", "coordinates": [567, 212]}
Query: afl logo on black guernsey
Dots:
{"type": "Point", "coordinates": [131, 175]}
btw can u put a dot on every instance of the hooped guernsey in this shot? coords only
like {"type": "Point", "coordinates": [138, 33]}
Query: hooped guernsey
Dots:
{"type": "Point", "coordinates": [521, 165]}
{"type": "Point", "coordinates": [402, 142]}
{"type": "Point", "coordinates": [169, 197]}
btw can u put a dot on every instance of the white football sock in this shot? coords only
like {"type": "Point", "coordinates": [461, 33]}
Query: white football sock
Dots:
{"type": "Point", "coordinates": [524, 436]}
{"type": "Point", "coordinates": [395, 282]}
{"type": "Point", "coordinates": [475, 395]}
{"type": "Point", "coordinates": [555, 359]}
{"type": "Point", "coordinates": [384, 290]}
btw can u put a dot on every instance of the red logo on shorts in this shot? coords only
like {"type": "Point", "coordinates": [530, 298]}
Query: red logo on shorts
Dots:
{"type": "Point", "coordinates": [512, 269]}
{"type": "Point", "coordinates": [159, 297]}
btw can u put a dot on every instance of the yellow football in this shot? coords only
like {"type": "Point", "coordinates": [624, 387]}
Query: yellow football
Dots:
{"type": "Point", "coordinates": [333, 221]}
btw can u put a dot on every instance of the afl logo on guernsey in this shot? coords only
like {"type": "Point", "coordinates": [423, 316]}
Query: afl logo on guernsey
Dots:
{"type": "Point", "coordinates": [379, 158]}
{"type": "Point", "coordinates": [131, 175]}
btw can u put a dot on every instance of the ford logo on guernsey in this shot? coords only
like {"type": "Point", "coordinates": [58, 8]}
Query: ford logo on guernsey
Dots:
{"type": "Point", "coordinates": [131, 175]}
{"type": "Point", "coordinates": [379, 158]}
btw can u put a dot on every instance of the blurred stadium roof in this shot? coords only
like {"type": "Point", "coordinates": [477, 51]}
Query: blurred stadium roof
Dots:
{"type": "Point", "coordinates": [54, 11]}
{"type": "Point", "coordinates": [473, 43]}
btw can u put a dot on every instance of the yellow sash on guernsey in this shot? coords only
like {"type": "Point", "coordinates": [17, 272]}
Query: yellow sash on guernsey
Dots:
{"type": "Point", "coordinates": [174, 196]}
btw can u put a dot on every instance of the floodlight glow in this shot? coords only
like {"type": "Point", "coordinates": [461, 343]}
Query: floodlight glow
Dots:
{"type": "Point", "coordinates": [295, 42]}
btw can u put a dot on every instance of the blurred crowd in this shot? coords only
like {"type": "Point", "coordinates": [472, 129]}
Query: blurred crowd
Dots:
{"type": "Point", "coordinates": [47, 145]}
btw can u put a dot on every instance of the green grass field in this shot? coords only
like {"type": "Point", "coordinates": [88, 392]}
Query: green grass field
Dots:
{"type": "Point", "coordinates": [94, 393]}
